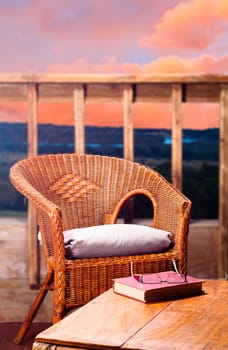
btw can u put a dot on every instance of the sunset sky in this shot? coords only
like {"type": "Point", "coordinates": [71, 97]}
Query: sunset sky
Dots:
{"type": "Point", "coordinates": [114, 36]}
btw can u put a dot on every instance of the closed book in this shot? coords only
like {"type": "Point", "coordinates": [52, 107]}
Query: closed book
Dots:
{"type": "Point", "coordinates": [157, 286]}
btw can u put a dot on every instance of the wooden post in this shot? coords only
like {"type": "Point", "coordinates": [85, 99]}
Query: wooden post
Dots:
{"type": "Point", "coordinates": [34, 273]}
{"type": "Point", "coordinates": [128, 124]}
{"type": "Point", "coordinates": [79, 116]}
{"type": "Point", "coordinates": [223, 186]}
{"type": "Point", "coordinates": [177, 136]}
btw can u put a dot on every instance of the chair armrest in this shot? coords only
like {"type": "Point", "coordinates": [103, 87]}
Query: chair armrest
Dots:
{"type": "Point", "coordinates": [44, 209]}
{"type": "Point", "coordinates": [172, 214]}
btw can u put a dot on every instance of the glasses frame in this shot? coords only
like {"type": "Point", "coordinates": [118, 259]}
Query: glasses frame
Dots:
{"type": "Point", "coordinates": [139, 277]}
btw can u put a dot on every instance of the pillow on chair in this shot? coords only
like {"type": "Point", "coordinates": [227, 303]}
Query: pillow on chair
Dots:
{"type": "Point", "coordinates": [115, 240]}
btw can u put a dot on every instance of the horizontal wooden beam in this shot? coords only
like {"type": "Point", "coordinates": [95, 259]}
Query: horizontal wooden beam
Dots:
{"type": "Point", "coordinates": [113, 78]}
{"type": "Point", "coordinates": [112, 92]}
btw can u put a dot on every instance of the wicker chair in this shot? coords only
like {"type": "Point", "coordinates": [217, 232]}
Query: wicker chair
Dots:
{"type": "Point", "coordinates": [71, 190]}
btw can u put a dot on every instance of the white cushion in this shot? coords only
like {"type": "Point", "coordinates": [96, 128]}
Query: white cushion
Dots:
{"type": "Point", "coordinates": [115, 240]}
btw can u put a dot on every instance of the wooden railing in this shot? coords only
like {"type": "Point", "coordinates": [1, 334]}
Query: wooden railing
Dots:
{"type": "Point", "coordinates": [128, 89]}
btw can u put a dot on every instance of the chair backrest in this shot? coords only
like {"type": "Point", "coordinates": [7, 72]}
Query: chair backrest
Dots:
{"type": "Point", "coordinates": [89, 188]}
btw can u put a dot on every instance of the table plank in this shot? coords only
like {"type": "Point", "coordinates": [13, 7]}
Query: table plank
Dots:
{"type": "Point", "coordinates": [107, 321]}
{"type": "Point", "coordinates": [195, 323]}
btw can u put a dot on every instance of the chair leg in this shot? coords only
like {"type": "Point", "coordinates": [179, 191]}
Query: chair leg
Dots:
{"type": "Point", "coordinates": [35, 307]}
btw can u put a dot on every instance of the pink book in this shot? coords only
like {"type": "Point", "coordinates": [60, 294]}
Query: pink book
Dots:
{"type": "Point", "coordinates": [158, 286]}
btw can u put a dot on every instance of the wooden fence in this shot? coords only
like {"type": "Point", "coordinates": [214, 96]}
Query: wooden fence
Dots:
{"type": "Point", "coordinates": [176, 89]}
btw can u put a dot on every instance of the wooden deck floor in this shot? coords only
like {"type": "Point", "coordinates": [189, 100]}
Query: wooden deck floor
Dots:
{"type": "Point", "coordinates": [16, 296]}
{"type": "Point", "coordinates": [8, 331]}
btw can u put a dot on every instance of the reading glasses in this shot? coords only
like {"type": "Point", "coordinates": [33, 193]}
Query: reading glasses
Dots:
{"type": "Point", "coordinates": [172, 277]}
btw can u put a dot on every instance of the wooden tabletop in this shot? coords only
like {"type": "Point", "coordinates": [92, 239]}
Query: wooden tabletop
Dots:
{"type": "Point", "coordinates": [112, 321]}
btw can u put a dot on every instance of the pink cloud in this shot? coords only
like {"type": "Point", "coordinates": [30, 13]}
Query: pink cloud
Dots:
{"type": "Point", "coordinates": [194, 25]}
{"type": "Point", "coordinates": [175, 64]}
{"type": "Point", "coordinates": [99, 26]}
{"type": "Point", "coordinates": [103, 36]}
{"type": "Point", "coordinates": [167, 64]}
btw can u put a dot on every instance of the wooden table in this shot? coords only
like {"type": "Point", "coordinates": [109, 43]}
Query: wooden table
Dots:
{"type": "Point", "coordinates": [112, 321]}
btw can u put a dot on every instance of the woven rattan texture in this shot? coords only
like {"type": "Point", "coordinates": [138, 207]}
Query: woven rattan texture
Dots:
{"type": "Point", "coordinates": [69, 191]}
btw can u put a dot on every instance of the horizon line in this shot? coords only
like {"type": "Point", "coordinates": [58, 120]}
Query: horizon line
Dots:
{"type": "Point", "coordinates": [108, 126]}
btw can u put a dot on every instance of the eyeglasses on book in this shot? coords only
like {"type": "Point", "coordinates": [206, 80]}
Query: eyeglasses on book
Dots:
{"type": "Point", "coordinates": [171, 277]}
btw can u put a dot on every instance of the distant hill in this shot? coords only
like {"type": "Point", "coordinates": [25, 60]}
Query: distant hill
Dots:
{"type": "Point", "coordinates": [152, 147]}
{"type": "Point", "coordinates": [153, 143]}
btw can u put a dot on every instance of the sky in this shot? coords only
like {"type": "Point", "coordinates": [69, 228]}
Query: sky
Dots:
{"type": "Point", "coordinates": [114, 36]}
